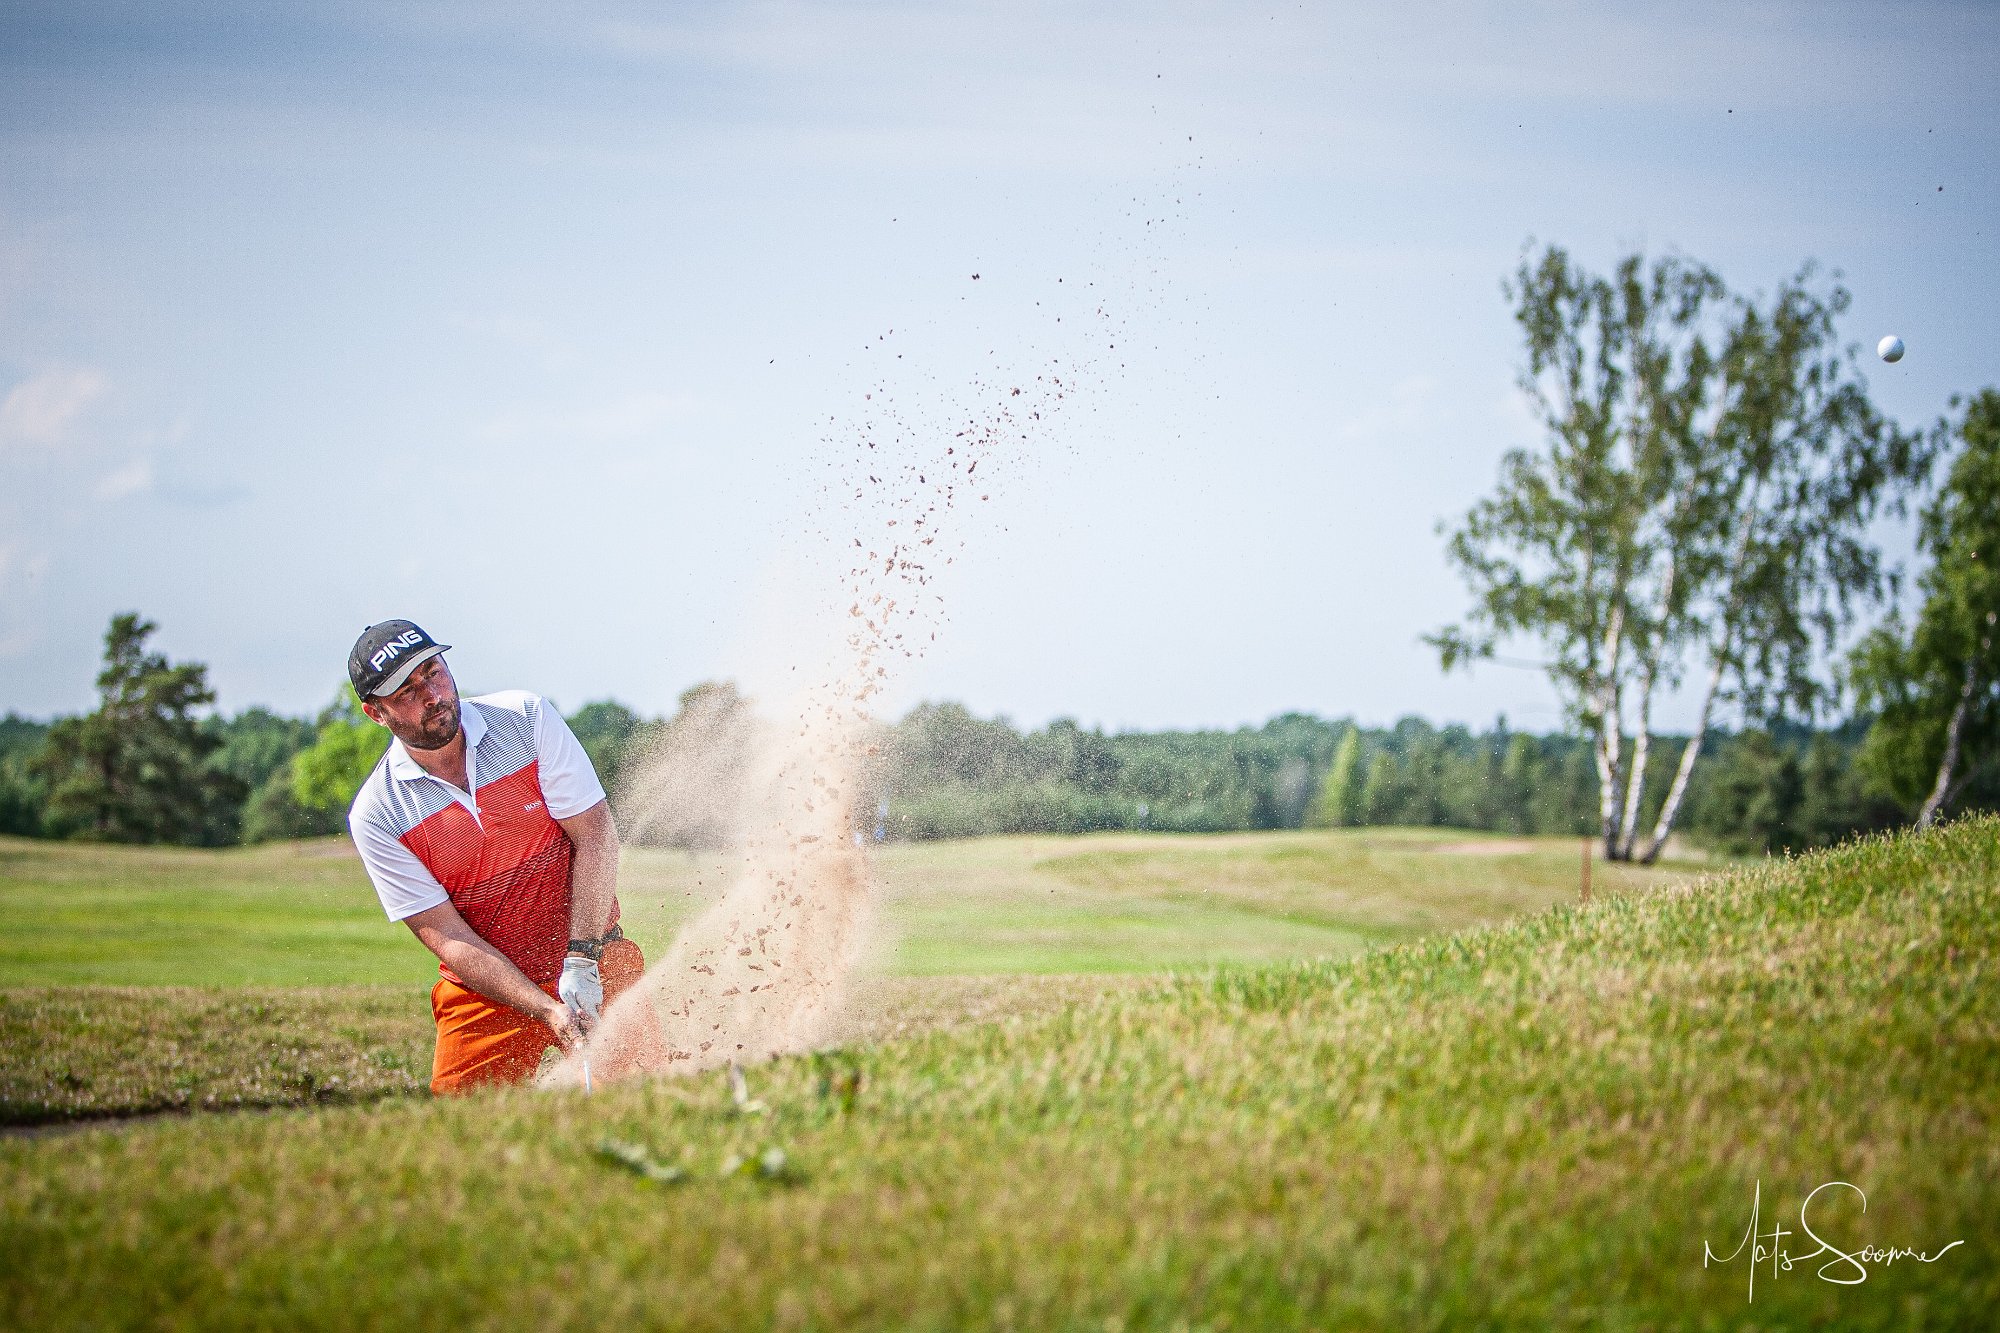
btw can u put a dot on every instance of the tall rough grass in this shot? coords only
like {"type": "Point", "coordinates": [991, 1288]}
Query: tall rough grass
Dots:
{"type": "Point", "coordinates": [1535, 1125]}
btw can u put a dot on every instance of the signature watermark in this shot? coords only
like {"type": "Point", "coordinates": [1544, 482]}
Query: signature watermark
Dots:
{"type": "Point", "coordinates": [1849, 1268]}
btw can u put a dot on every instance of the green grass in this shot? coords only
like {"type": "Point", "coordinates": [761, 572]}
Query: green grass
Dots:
{"type": "Point", "coordinates": [222, 936]}
{"type": "Point", "coordinates": [303, 914]}
{"type": "Point", "coordinates": [295, 914]}
{"type": "Point", "coordinates": [1125, 902]}
{"type": "Point", "coordinates": [82, 1052]}
{"type": "Point", "coordinates": [1534, 1125]}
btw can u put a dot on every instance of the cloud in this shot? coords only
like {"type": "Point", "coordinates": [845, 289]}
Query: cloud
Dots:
{"type": "Point", "coordinates": [134, 477]}
{"type": "Point", "coordinates": [43, 409]}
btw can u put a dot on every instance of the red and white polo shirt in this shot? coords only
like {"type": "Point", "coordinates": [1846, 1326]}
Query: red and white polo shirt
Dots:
{"type": "Point", "coordinates": [496, 852]}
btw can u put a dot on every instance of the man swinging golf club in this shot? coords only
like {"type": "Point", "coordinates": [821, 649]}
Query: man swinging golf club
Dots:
{"type": "Point", "coordinates": [486, 831]}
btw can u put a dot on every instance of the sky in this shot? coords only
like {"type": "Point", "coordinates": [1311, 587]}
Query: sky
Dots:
{"type": "Point", "coordinates": [555, 328]}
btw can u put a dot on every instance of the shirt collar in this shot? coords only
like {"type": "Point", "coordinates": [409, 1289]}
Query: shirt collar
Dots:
{"type": "Point", "coordinates": [405, 769]}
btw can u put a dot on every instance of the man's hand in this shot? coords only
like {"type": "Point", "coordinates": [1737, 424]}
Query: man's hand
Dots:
{"type": "Point", "coordinates": [570, 1028]}
{"type": "Point", "coordinates": [581, 989]}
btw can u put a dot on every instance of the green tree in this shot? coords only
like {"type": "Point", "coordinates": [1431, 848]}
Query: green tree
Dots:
{"type": "Point", "coordinates": [136, 769]}
{"type": "Point", "coordinates": [273, 812]}
{"type": "Point", "coordinates": [1381, 793]}
{"type": "Point", "coordinates": [1751, 799]}
{"type": "Point", "coordinates": [1711, 471]}
{"type": "Point", "coordinates": [257, 743]}
{"type": "Point", "coordinates": [258, 747]}
{"type": "Point", "coordinates": [1519, 775]}
{"type": "Point", "coordinates": [1340, 795]}
{"type": "Point", "coordinates": [1936, 689]}
{"type": "Point", "coordinates": [21, 790]}
{"type": "Point", "coordinates": [326, 775]}
{"type": "Point", "coordinates": [1066, 753]}
{"type": "Point", "coordinates": [606, 730]}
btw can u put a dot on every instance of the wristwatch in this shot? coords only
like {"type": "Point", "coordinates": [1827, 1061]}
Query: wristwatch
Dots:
{"type": "Point", "coordinates": [594, 949]}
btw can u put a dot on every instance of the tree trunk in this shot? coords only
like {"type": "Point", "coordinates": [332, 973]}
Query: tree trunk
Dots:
{"type": "Point", "coordinates": [1953, 735]}
{"type": "Point", "coordinates": [1635, 781]}
{"type": "Point", "coordinates": [1609, 740]}
{"type": "Point", "coordinates": [1672, 805]}
{"type": "Point", "coordinates": [1606, 751]}
{"type": "Point", "coordinates": [1635, 785]}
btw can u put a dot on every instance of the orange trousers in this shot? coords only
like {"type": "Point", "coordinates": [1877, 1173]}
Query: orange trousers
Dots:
{"type": "Point", "coordinates": [483, 1044]}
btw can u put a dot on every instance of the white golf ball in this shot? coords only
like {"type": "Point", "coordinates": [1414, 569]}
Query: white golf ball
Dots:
{"type": "Point", "coordinates": [1890, 348]}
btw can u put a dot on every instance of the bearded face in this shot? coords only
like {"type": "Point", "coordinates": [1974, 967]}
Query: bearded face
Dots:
{"type": "Point", "coordinates": [423, 712]}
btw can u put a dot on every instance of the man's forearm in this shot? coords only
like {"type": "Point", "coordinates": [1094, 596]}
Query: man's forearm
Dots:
{"type": "Point", "coordinates": [593, 871]}
{"type": "Point", "coordinates": [483, 969]}
{"type": "Point", "coordinates": [489, 972]}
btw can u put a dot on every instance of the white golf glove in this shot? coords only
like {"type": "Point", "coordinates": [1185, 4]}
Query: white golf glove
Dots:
{"type": "Point", "coordinates": [581, 988]}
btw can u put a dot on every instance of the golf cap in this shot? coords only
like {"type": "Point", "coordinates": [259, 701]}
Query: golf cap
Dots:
{"type": "Point", "coordinates": [385, 655]}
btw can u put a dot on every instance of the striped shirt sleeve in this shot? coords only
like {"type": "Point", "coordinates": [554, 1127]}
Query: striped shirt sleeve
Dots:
{"type": "Point", "coordinates": [401, 881]}
{"type": "Point", "coordinates": [569, 783]}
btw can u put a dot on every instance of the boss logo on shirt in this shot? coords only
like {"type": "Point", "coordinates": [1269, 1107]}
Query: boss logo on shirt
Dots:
{"type": "Point", "coordinates": [531, 807]}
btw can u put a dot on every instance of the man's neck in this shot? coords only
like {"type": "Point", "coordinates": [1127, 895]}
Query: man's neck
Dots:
{"type": "Point", "coordinates": [446, 762]}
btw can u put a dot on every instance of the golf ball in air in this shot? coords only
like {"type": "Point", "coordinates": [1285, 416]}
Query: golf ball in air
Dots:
{"type": "Point", "coordinates": [1890, 348]}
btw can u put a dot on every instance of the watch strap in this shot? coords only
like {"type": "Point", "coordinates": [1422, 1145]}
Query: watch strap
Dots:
{"type": "Point", "coordinates": [594, 949]}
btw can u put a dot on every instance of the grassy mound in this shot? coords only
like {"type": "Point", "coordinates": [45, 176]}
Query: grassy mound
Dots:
{"type": "Point", "coordinates": [1536, 1125]}
{"type": "Point", "coordinates": [89, 1051]}
{"type": "Point", "coordinates": [84, 1053]}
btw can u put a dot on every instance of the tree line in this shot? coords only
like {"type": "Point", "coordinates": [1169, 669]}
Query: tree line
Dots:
{"type": "Point", "coordinates": [146, 766]}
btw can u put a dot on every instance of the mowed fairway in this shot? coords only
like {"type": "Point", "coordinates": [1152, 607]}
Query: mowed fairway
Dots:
{"type": "Point", "coordinates": [1124, 902]}
{"type": "Point", "coordinates": [302, 914]}
{"type": "Point", "coordinates": [1536, 1125]}
{"type": "Point", "coordinates": [139, 980]}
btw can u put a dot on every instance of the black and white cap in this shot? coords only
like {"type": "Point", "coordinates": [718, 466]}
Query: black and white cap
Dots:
{"type": "Point", "coordinates": [385, 655]}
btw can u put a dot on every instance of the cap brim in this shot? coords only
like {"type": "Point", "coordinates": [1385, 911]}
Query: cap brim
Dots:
{"type": "Point", "coordinates": [394, 680]}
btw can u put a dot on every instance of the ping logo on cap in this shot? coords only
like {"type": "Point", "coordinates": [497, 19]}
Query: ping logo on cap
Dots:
{"type": "Point", "coordinates": [385, 654]}
{"type": "Point", "coordinates": [393, 649]}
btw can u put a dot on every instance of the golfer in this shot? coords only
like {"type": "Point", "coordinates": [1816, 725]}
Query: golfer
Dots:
{"type": "Point", "coordinates": [486, 832]}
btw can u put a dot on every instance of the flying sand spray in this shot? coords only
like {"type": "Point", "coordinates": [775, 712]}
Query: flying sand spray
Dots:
{"type": "Point", "coordinates": [763, 971]}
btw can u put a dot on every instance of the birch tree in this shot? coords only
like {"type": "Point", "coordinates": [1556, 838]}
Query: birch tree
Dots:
{"type": "Point", "coordinates": [1799, 465]}
{"type": "Point", "coordinates": [1703, 498]}
{"type": "Point", "coordinates": [1936, 690]}
{"type": "Point", "coordinates": [1575, 548]}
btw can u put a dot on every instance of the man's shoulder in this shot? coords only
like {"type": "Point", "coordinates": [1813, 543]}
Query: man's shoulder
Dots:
{"type": "Point", "coordinates": [526, 703]}
{"type": "Point", "coordinates": [376, 795]}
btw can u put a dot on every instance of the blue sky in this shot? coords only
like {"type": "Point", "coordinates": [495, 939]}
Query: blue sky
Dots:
{"type": "Point", "coordinates": [550, 329]}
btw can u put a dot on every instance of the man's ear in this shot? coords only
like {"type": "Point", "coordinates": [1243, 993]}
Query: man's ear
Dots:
{"type": "Point", "coordinates": [373, 713]}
